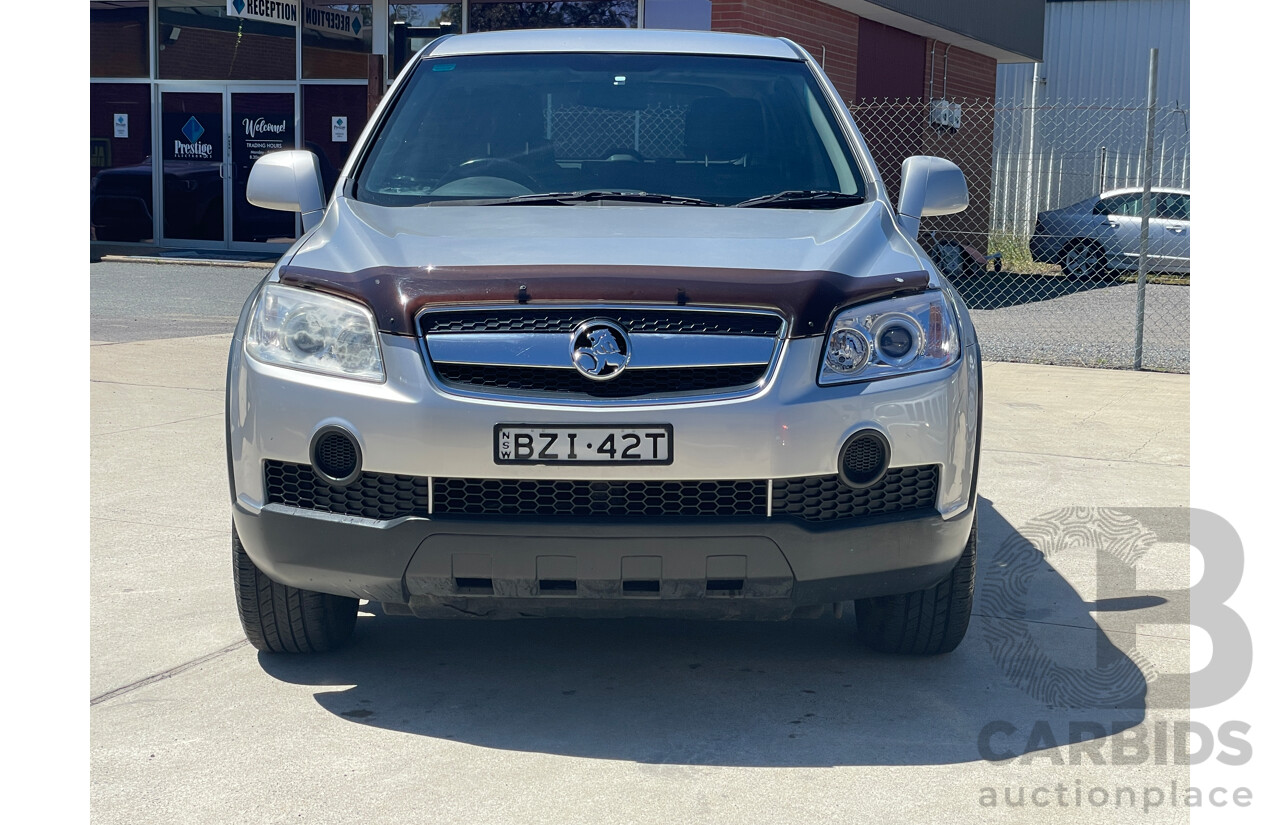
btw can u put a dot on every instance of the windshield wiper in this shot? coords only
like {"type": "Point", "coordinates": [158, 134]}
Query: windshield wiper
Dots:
{"type": "Point", "coordinates": [594, 195]}
{"type": "Point", "coordinates": [805, 199]}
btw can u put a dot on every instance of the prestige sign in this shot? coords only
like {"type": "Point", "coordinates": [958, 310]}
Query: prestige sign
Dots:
{"type": "Point", "coordinates": [187, 138]}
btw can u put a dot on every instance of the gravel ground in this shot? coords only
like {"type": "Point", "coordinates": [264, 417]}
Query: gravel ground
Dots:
{"type": "Point", "coordinates": [1090, 327]}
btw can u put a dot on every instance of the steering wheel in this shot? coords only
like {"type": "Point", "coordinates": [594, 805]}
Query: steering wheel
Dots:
{"type": "Point", "coordinates": [491, 167]}
{"type": "Point", "coordinates": [623, 154]}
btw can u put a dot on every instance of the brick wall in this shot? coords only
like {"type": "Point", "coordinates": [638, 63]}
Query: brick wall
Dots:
{"type": "Point", "coordinates": [808, 22]}
{"type": "Point", "coordinates": [893, 114]}
{"type": "Point", "coordinates": [212, 54]}
{"type": "Point", "coordinates": [118, 43]}
{"type": "Point", "coordinates": [899, 71]}
{"type": "Point", "coordinates": [969, 74]}
{"type": "Point", "coordinates": [970, 77]}
{"type": "Point", "coordinates": [334, 63]}
{"type": "Point", "coordinates": [891, 62]}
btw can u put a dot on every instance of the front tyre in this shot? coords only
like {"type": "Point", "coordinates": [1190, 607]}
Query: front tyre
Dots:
{"type": "Point", "coordinates": [925, 622]}
{"type": "Point", "coordinates": [282, 619]}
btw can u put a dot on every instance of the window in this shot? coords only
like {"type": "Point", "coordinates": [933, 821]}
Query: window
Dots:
{"type": "Point", "coordinates": [332, 119]}
{"type": "Point", "coordinates": [337, 39]}
{"type": "Point", "coordinates": [118, 40]}
{"type": "Point", "coordinates": [120, 205]}
{"type": "Point", "coordinates": [1129, 205]}
{"type": "Point", "coordinates": [722, 129]}
{"type": "Point", "coordinates": [414, 25]}
{"type": "Point", "coordinates": [445, 16]}
{"type": "Point", "coordinates": [1175, 207]}
{"type": "Point", "coordinates": [198, 40]}
{"type": "Point", "coordinates": [1165, 205]}
{"type": "Point", "coordinates": [494, 15]}
{"type": "Point", "coordinates": [692, 15]}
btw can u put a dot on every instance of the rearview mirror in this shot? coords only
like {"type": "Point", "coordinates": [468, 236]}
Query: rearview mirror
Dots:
{"type": "Point", "coordinates": [288, 181]}
{"type": "Point", "coordinates": [930, 186]}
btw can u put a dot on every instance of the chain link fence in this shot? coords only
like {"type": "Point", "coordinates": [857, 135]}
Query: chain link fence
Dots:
{"type": "Point", "coordinates": [1046, 256]}
{"type": "Point", "coordinates": [657, 131]}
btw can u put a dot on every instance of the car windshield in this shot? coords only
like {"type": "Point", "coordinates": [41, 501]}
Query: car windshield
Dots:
{"type": "Point", "coordinates": [608, 129]}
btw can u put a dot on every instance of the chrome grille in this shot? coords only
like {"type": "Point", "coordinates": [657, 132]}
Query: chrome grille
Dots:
{"type": "Point", "coordinates": [636, 321]}
{"type": "Point", "coordinates": [631, 384]}
{"type": "Point", "coordinates": [527, 352]}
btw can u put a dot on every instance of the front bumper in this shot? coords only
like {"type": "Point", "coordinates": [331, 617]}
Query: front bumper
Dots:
{"type": "Point", "coordinates": [505, 567]}
{"type": "Point", "coordinates": [521, 565]}
{"type": "Point", "coordinates": [791, 428]}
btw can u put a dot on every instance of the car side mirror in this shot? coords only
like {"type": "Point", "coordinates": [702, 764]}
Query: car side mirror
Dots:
{"type": "Point", "coordinates": [1101, 209]}
{"type": "Point", "coordinates": [288, 181]}
{"type": "Point", "coordinates": [930, 186]}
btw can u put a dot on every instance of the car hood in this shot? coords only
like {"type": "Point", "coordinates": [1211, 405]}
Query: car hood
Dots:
{"type": "Point", "coordinates": [802, 262]}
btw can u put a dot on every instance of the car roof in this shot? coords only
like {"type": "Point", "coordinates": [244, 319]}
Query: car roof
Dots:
{"type": "Point", "coordinates": [662, 41]}
{"type": "Point", "coordinates": [1128, 190]}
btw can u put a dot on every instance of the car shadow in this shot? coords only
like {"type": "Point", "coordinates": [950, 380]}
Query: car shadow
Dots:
{"type": "Point", "coordinates": [798, 693]}
{"type": "Point", "coordinates": [998, 290]}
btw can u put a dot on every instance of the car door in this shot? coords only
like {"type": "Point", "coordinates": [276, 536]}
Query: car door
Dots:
{"type": "Point", "coordinates": [1121, 232]}
{"type": "Point", "coordinates": [1172, 225]}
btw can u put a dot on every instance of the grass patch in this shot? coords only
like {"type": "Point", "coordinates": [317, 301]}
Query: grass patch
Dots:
{"type": "Point", "coordinates": [1015, 258]}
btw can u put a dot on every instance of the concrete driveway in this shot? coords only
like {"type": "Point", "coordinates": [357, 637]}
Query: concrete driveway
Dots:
{"type": "Point", "coordinates": [650, 721]}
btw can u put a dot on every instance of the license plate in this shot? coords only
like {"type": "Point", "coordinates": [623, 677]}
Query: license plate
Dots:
{"type": "Point", "coordinates": [581, 444]}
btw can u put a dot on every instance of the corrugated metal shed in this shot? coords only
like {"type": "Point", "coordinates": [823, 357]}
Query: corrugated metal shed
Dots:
{"type": "Point", "coordinates": [1081, 129]}
{"type": "Point", "coordinates": [1097, 50]}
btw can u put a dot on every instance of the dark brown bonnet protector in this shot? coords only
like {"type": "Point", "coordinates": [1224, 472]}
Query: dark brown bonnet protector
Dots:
{"type": "Point", "coordinates": [806, 299]}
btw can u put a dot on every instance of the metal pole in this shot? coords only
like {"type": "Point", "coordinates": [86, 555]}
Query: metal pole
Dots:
{"type": "Point", "coordinates": [1145, 238]}
{"type": "Point", "coordinates": [1029, 219]}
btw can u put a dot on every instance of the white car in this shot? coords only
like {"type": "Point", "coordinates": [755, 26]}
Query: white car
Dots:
{"type": "Point", "coordinates": [1104, 232]}
{"type": "Point", "coordinates": [606, 323]}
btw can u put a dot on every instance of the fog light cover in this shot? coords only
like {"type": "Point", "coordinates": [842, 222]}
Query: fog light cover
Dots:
{"type": "Point", "coordinates": [864, 459]}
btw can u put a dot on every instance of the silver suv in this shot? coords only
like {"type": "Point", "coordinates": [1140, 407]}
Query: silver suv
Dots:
{"type": "Point", "coordinates": [606, 323]}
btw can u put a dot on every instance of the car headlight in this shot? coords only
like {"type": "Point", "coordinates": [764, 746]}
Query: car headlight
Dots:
{"type": "Point", "coordinates": [889, 338]}
{"type": "Point", "coordinates": [312, 331]}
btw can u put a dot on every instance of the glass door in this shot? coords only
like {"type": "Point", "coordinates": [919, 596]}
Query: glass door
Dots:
{"type": "Point", "coordinates": [209, 141]}
{"type": "Point", "coordinates": [260, 122]}
{"type": "Point", "coordinates": [192, 157]}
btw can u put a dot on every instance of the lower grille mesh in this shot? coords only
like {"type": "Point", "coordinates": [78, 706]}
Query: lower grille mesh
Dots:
{"type": "Point", "coordinates": [474, 497]}
{"type": "Point", "coordinates": [825, 498]}
{"type": "Point", "coordinates": [372, 495]}
{"type": "Point", "coordinates": [385, 496]}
